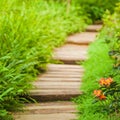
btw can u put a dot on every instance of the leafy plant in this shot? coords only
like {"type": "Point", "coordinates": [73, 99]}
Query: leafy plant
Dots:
{"type": "Point", "coordinates": [103, 61]}
{"type": "Point", "coordinates": [109, 90]}
{"type": "Point", "coordinates": [96, 8]}
{"type": "Point", "coordinates": [108, 94]}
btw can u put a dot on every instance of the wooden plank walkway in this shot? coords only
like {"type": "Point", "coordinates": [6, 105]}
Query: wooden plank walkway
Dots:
{"type": "Point", "coordinates": [61, 82]}
{"type": "Point", "coordinates": [82, 38]}
{"type": "Point", "coordinates": [94, 28]}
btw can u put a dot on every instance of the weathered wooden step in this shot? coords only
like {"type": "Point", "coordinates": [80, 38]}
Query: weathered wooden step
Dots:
{"type": "Point", "coordinates": [55, 94]}
{"type": "Point", "coordinates": [63, 66]}
{"type": "Point", "coordinates": [94, 28]}
{"type": "Point", "coordinates": [56, 116]}
{"type": "Point", "coordinates": [50, 107]}
{"type": "Point", "coordinates": [53, 84]}
{"type": "Point", "coordinates": [62, 75]}
{"type": "Point", "coordinates": [70, 53]}
{"type": "Point", "coordinates": [60, 82]}
{"type": "Point", "coordinates": [60, 79]}
{"type": "Point", "coordinates": [48, 111]}
{"type": "Point", "coordinates": [83, 38]}
{"type": "Point", "coordinates": [64, 69]}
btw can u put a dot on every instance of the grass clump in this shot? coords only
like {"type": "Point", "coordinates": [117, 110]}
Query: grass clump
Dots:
{"type": "Point", "coordinates": [29, 31]}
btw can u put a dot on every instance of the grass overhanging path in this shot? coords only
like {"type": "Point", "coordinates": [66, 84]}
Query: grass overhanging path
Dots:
{"type": "Point", "coordinates": [61, 82]}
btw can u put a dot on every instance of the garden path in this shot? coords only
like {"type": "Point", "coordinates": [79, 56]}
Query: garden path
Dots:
{"type": "Point", "coordinates": [61, 82]}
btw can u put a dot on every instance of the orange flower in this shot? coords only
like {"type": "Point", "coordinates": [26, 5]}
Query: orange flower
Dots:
{"type": "Point", "coordinates": [97, 93]}
{"type": "Point", "coordinates": [102, 81]}
{"type": "Point", "coordinates": [102, 97]}
{"type": "Point", "coordinates": [109, 81]}
{"type": "Point", "coordinates": [105, 82]}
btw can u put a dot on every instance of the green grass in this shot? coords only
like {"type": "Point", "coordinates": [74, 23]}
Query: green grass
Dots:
{"type": "Point", "coordinates": [101, 64]}
{"type": "Point", "coordinates": [97, 66]}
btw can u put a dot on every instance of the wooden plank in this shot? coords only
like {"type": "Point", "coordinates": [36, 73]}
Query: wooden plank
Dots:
{"type": "Point", "coordinates": [54, 95]}
{"type": "Point", "coordinates": [44, 83]}
{"type": "Point", "coordinates": [54, 66]}
{"type": "Point", "coordinates": [57, 87]}
{"type": "Point", "coordinates": [55, 84]}
{"type": "Point", "coordinates": [57, 92]}
{"type": "Point", "coordinates": [60, 73]}
{"type": "Point", "coordinates": [57, 116]}
{"type": "Point", "coordinates": [83, 38]}
{"type": "Point", "coordinates": [70, 54]}
{"type": "Point", "coordinates": [59, 79]}
{"type": "Point", "coordinates": [64, 71]}
{"type": "Point", "coordinates": [64, 68]}
{"type": "Point", "coordinates": [71, 60]}
{"type": "Point", "coordinates": [49, 75]}
{"type": "Point", "coordinates": [49, 108]}
{"type": "Point", "coordinates": [57, 103]}
{"type": "Point", "coordinates": [51, 104]}
{"type": "Point", "coordinates": [94, 28]}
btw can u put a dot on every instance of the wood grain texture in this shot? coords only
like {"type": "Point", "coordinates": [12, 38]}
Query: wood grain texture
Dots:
{"type": "Point", "coordinates": [94, 28]}
{"type": "Point", "coordinates": [70, 54]}
{"type": "Point", "coordinates": [83, 38]}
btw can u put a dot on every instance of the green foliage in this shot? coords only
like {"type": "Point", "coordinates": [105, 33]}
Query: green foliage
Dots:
{"type": "Point", "coordinates": [29, 31]}
{"type": "Point", "coordinates": [98, 65]}
{"type": "Point", "coordinates": [98, 56]}
{"type": "Point", "coordinates": [108, 94]}
{"type": "Point", "coordinates": [103, 62]}
{"type": "Point", "coordinates": [112, 32]}
{"type": "Point", "coordinates": [96, 8]}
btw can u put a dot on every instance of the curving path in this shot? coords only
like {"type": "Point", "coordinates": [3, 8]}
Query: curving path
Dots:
{"type": "Point", "coordinates": [61, 82]}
